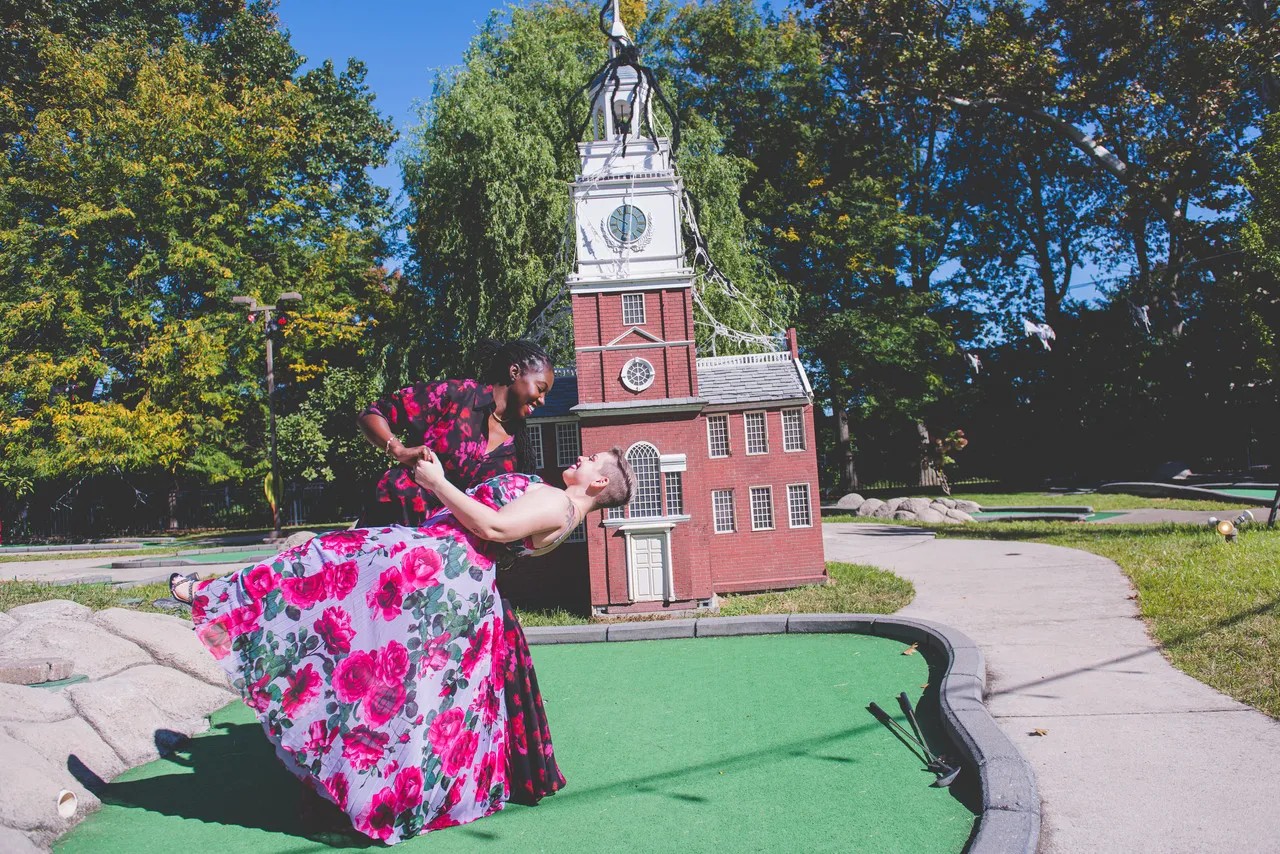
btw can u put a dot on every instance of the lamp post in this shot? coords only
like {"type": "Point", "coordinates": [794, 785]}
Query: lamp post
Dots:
{"type": "Point", "coordinates": [250, 304]}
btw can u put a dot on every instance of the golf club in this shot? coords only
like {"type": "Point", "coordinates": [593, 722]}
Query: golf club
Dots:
{"type": "Point", "coordinates": [899, 730]}
{"type": "Point", "coordinates": [937, 764]}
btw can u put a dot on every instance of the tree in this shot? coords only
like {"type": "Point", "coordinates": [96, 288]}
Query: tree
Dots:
{"type": "Point", "coordinates": [486, 175]}
{"type": "Point", "coordinates": [156, 166]}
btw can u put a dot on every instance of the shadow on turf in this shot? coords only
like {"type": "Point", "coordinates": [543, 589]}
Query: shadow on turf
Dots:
{"type": "Point", "coordinates": [234, 779]}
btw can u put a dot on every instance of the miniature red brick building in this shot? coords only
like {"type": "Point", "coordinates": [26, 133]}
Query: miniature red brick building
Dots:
{"type": "Point", "coordinates": [726, 496]}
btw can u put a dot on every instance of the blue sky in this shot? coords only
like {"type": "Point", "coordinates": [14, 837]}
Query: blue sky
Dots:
{"type": "Point", "coordinates": [403, 43]}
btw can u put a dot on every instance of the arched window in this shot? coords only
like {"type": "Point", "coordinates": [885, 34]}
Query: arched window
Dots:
{"type": "Point", "coordinates": [646, 499]}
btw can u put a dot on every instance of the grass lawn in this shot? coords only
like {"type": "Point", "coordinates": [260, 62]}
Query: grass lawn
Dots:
{"type": "Point", "coordinates": [1213, 605]}
{"type": "Point", "coordinates": [853, 588]}
{"type": "Point", "coordinates": [1096, 500]}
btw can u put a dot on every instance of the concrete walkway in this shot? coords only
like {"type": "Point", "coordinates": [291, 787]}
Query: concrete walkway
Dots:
{"type": "Point", "coordinates": [1138, 757]}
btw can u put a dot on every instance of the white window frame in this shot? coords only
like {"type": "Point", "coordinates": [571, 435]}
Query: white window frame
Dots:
{"type": "Point", "coordinates": [631, 307]}
{"type": "Point", "coordinates": [568, 449]}
{"type": "Point", "coordinates": [786, 446]}
{"type": "Point", "coordinates": [656, 507]}
{"type": "Point", "coordinates": [751, 500]}
{"type": "Point", "coordinates": [792, 505]}
{"type": "Point", "coordinates": [578, 534]}
{"type": "Point", "coordinates": [746, 431]}
{"type": "Point", "coordinates": [638, 386]}
{"type": "Point", "coordinates": [534, 432]}
{"type": "Point", "coordinates": [667, 479]}
{"type": "Point", "coordinates": [711, 446]}
{"type": "Point", "coordinates": [715, 516]}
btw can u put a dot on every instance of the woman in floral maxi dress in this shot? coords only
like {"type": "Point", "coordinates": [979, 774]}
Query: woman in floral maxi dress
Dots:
{"type": "Point", "coordinates": [374, 657]}
{"type": "Point", "coordinates": [477, 431]}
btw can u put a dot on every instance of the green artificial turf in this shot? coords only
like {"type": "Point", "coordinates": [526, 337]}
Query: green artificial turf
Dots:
{"type": "Point", "coordinates": [245, 556]}
{"type": "Point", "coordinates": [749, 744]}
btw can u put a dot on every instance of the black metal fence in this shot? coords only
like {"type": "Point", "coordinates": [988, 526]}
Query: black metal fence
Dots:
{"type": "Point", "coordinates": [97, 508]}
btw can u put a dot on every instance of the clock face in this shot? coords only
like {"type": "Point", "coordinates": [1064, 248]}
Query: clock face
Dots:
{"type": "Point", "coordinates": [628, 224]}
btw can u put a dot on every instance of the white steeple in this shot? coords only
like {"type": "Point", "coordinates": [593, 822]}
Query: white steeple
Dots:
{"type": "Point", "coordinates": [618, 30]}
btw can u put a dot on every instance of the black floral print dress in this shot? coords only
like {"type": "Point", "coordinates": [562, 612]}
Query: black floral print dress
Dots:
{"type": "Point", "coordinates": [451, 417]}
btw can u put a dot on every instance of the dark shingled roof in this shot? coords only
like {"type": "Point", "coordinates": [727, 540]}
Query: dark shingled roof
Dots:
{"type": "Point", "coordinates": [726, 380]}
{"type": "Point", "coordinates": [722, 381]}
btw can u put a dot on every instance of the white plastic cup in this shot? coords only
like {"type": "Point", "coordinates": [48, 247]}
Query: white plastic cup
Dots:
{"type": "Point", "coordinates": [68, 803]}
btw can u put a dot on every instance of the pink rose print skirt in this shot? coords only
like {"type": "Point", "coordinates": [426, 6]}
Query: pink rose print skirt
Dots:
{"type": "Point", "coordinates": [375, 660]}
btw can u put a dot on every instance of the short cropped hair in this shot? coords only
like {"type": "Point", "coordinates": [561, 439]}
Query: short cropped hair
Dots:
{"type": "Point", "coordinates": [621, 481]}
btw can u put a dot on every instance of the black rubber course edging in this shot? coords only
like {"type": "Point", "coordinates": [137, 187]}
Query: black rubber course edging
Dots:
{"type": "Point", "coordinates": [1010, 819]}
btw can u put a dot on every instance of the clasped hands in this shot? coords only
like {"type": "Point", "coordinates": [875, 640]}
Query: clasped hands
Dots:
{"type": "Point", "coordinates": [428, 472]}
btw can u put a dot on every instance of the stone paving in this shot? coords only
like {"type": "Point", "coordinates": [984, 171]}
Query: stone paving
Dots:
{"type": "Point", "coordinates": [149, 684]}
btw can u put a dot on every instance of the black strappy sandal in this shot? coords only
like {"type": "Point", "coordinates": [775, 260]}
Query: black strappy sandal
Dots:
{"type": "Point", "coordinates": [178, 578]}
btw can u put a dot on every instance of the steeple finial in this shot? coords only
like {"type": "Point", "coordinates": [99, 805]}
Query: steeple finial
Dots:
{"type": "Point", "coordinates": [619, 29]}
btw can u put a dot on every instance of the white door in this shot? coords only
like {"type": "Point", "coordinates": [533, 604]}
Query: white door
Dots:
{"type": "Point", "coordinates": [648, 567]}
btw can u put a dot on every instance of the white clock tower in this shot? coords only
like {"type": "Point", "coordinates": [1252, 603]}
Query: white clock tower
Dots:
{"type": "Point", "coordinates": [632, 289]}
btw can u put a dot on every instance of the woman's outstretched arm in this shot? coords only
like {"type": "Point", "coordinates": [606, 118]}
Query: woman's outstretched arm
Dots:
{"type": "Point", "coordinates": [536, 512]}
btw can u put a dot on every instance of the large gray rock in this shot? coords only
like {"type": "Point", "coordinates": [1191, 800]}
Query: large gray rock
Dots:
{"type": "Point", "coordinates": [58, 742]}
{"type": "Point", "coordinates": [959, 516]}
{"type": "Point", "coordinates": [93, 651]}
{"type": "Point", "coordinates": [29, 786]}
{"type": "Point", "coordinates": [915, 505]}
{"type": "Point", "coordinates": [904, 515]}
{"type": "Point", "coordinates": [170, 641]}
{"type": "Point", "coordinates": [852, 501]}
{"type": "Point", "coordinates": [297, 539]}
{"type": "Point", "coordinates": [968, 506]}
{"type": "Point", "coordinates": [54, 609]}
{"type": "Point", "coordinates": [948, 503]}
{"type": "Point", "coordinates": [20, 703]}
{"type": "Point", "coordinates": [895, 504]}
{"type": "Point", "coordinates": [34, 671]}
{"type": "Point", "coordinates": [870, 506]}
{"type": "Point", "coordinates": [884, 511]}
{"type": "Point", "coordinates": [16, 842]}
{"type": "Point", "coordinates": [928, 514]}
{"type": "Point", "coordinates": [138, 712]}
{"type": "Point", "coordinates": [6, 623]}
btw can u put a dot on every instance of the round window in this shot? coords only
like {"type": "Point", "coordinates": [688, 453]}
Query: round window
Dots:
{"type": "Point", "coordinates": [637, 374]}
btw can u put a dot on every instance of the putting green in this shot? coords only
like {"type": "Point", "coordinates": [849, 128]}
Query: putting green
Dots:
{"type": "Point", "coordinates": [740, 744]}
{"type": "Point", "coordinates": [1248, 493]}
{"type": "Point", "coordinates": [247, 556]}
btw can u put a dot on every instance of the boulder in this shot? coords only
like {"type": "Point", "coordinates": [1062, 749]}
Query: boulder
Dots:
{"type": "Point", "coordinates": [93, 651]}
{"type": "Point", "coordinates": [895, 504]}
{"type": "Point", "coordinates": [6, 623]}
{"type": "Point", "coordinates": [54, 609]}
{"type": "Point", "coordinates": [20, 703]}
{"type": "Point", "coordinates": [870, 506]}
{"type": "Point", "coordinates": [915, 505]}
{"type": "Point", "coordinates": [931, 516]}
{"type": "Point", "coordinates": [948, 503]}
{"type": "Point", "coordinates": [16, 842]}
{"type": "Point", "coordinates": [959, 516]}
{"type": "Point", "coordinates": [884, 511]}
{"type": "Point", "coordinates": [146, 711]}
{"type": "Point", "coordinates": [297, 539]}
{"type": "Point", "coordinates": [169, 640]}
{"type": "Point", "coordinates": [33, 671]}
{"type": "Point", "coordinates": [968, 506]}
{"type": "Point", "coordinates": [58, 742]}
{"type": "Point", "coordinates": [29, 786]}
{"type": "Point", "coordinates": [852, 501]}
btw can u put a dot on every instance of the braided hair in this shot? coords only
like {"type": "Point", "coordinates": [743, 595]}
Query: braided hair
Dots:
{"type": "Point", "coordinates": [493, 361]}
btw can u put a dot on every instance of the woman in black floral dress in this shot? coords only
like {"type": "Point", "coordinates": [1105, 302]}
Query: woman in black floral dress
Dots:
{"type": "Point", "coordinates": [476, 428]}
